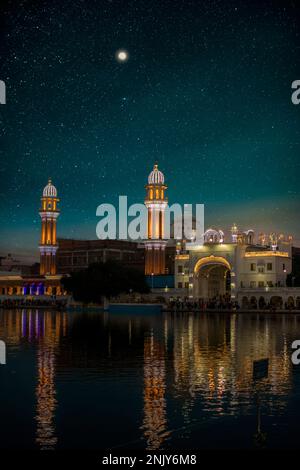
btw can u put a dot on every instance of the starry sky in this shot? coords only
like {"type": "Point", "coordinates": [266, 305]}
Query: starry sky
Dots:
{"type": "Point", "coordinates": [206, 92]}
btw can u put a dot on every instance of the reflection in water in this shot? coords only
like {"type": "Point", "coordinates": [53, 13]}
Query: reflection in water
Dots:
{"type": "Point", "coordinates": [48, 331]}
{"type": "Point", "coordinates": [194, 368]}
{"type": "Point", "coordinates": [44, 329]}
{"type": "Point", "coordinates": [46, 396]}
{"type": "Point", "coordinates": [155, 416]}
{"type": "Point", "coordinates": [213, 358]}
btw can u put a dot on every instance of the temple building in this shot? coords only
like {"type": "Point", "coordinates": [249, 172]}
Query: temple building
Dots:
{"type": "Point", "coordinates": [230, 264]}
{"type": "Point", "coordinates": [253, 274]}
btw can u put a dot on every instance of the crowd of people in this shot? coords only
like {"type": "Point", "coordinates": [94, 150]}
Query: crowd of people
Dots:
{"type": "Point", "coordinates": [34, 302]}
{"type": "Point", "coordinates": [223, 302]}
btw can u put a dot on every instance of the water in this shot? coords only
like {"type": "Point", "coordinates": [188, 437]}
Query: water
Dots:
{"type": "Point", "coordinates": [160, 382]}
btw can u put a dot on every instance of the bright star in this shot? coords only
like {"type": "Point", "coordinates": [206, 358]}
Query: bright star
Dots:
{"type": "Point", "coordinates": [122, 55]}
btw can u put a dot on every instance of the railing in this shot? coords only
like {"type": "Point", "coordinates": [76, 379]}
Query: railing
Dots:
{"type": "Point", "coordinates": [269, 288]}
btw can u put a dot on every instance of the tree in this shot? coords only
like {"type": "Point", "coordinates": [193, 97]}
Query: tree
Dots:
{"type": "Point", "coordinates": [104, 280]}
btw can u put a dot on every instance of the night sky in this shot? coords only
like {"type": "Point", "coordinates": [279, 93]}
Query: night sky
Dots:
{"type": "Point", "coordinates": [206, 92]}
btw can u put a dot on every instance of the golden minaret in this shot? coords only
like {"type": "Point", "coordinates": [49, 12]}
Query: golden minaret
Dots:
{"type": "Point", "coordinates": [48, 244]}
{"type": "Point", "coordinates": [156, 203]}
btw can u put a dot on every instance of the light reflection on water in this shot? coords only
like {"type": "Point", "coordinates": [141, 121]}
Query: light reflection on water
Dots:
{"type": "Point", "coordinates": [99, 380]}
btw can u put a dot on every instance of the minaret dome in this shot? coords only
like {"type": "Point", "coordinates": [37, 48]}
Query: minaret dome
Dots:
{"type": "Point", "coordinates": [156, 176]}
{"type": "Point", "coordinates": [50, 190]}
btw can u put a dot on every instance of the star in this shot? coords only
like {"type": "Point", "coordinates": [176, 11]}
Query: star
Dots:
{"type": "Point", "coordinates": [122, 55]}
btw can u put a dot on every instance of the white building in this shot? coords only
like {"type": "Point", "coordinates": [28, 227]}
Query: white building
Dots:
{"type": "Point", "coordinates": [251, 274]}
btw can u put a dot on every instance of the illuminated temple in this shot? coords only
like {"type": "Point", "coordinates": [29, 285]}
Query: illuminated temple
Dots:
{"type": "Point", "coordinates": [253, 274]}
{"type": "Point", "coordinates": [249, 270]}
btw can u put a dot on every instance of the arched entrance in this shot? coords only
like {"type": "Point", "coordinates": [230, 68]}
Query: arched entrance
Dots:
{"type": "Point", "coordinates": [41, 289]}
{"type": "Point", "coordinates": [253, 302]}
{"type": "Point", "coordinates": [211, 277]}
{"type": "Point", "coordinates": [261, 303]}
{"type": "Point", "coordinates": [276, 301]}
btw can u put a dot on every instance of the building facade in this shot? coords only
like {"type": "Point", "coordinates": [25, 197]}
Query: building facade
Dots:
{"type": "Point", "coordinates": [74, 255]}
{"type": "Point", "coordinates": [252, 274]}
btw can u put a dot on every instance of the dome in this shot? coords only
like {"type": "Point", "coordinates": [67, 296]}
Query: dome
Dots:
{"type": "Point", "coordinates": [213, 236]}
{"type": "Point", "coordinates": [50, 190]}
{"type": "Point", "coordinates": [156, 176]}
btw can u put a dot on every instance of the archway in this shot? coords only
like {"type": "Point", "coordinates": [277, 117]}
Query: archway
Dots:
{"type": "Point", "coordinates": [276, 301]}
{"type": "Point", "coordinates": [212, 278]}
{"type": "Point", "coordinates": [33, 288]}
{"type": "Point", "coordinates": [26, 289]}
{"type": "Point", "coordinates": [253, 302]}
{"type": "Point", "coordinates": [261, 302]}
{"type": "Point", "coordinates": [49, 290]}
{"type": "Point", "coordinates": [41, 289]}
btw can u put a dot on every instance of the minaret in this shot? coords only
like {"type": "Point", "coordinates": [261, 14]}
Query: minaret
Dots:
{"type": "Point", "coordinates": [156, 203]}
{"type": "Point", "coordinates": [234, 233]}
{"type": "Point", "coordinates": [49, 213]}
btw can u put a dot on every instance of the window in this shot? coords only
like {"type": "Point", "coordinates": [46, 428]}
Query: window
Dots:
{"type": "Point", "coordinates": [270, 283]}
{"type": "Point", "coordinates": [261, 269]}
{"type": "Point", "coordinates": [269, 266]}
{"type": "Point", "coordinates": [186, 285]}
{"type": "Point", "coordinates": [242, 284]}
{"type": "Point", "coordinates": [253, 267]}
{"type": "Point", "coordinates": [261, 284]}
{"type": "Point", "coordinates": [252, 284]}
{"type": "Point", "coordinates": [179, 285]}
{"type": "Point", "coordinates": [283, 267]}
{"type": "Point", "coordinates": [180, 269]}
